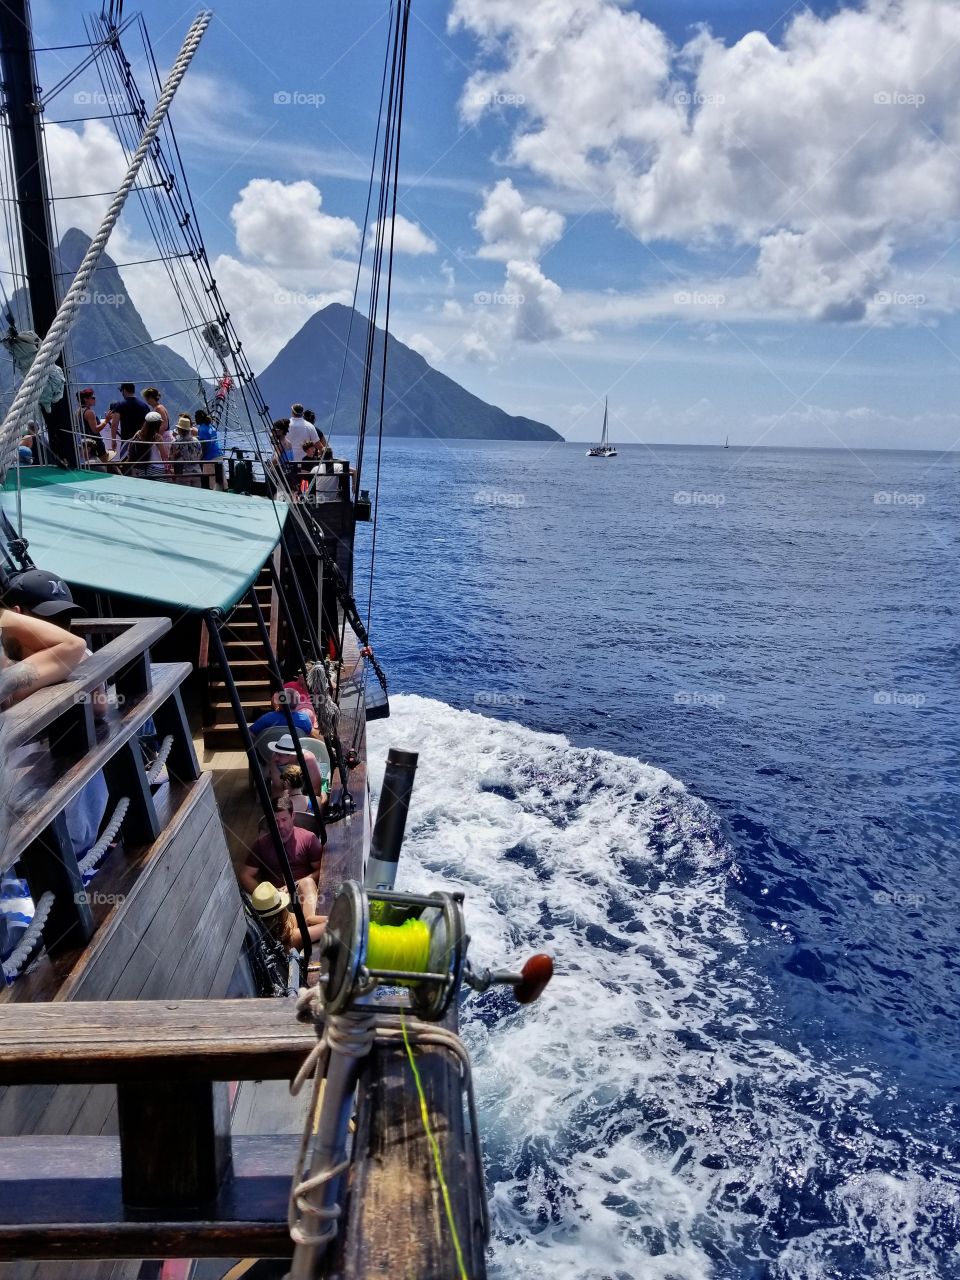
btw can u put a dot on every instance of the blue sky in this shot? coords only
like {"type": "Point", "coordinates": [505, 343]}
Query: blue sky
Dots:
{"type": "Point", "coordinates": [733, 218]}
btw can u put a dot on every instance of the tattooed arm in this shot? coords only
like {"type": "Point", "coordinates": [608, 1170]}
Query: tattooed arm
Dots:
{"type": "Point", "coordinates": [17, 681]}
{"type": "Point", "coordinates": [44, 653]}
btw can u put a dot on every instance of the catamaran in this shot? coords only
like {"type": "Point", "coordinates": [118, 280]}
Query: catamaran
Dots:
{"type": "Point", "coordinates": [604, 449]}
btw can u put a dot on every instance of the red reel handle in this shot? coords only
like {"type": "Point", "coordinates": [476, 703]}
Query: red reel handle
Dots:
{"type": "Point", "coordinates": [534, 976]}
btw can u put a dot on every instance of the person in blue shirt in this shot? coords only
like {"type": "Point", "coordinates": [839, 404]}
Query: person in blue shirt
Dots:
{"type": "Point", "coordinates": [207, 435]}
{"type": "Point", "coordinates": [277, 719]}
{"type": "Point", "coordinates": [126, 417]}
{"type": "Point", "coordinates": [211, 455]}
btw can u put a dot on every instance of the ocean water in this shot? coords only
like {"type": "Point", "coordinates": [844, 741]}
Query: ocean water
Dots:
{"type": "Point", "coordinates": [689, 720]}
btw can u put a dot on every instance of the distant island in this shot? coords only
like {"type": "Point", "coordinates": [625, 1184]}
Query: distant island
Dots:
{"type": "Point", "coordinates": [420, 401]}
{"type": "Point", "coordinates": [110, 344]}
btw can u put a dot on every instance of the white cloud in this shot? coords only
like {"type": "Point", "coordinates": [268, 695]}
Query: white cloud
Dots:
{"type": "Point", "coordinates": [267, 313]}
{"type": "Point", "coordinates": [89, 159]}
{"type": "Point", "coordinates": [513, 229]}
{"type": "Point", "coordinates": [814, 273]}
{"type": "Point", "coordinates": [534, 300]}
{"type": "Point", "coordinates": [408, 237]}
{"type": "Point", "coordinates": [425, 347]}
{"type": "Point", "coordinates": [283, 225]}
{"type": "Point", "coordinates": [828, 153]}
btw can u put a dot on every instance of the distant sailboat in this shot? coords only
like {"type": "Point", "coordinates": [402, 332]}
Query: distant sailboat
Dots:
{"type": "Point", "coordinates": [604, 449]}
{"type": "Point", "coordinates": [726, 443]}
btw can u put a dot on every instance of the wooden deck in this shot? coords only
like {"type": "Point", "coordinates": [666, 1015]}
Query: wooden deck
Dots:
{"type": "Point", "coordinates": [263, 1107]}
{"type": "Point", "coordinates": [347, 839]}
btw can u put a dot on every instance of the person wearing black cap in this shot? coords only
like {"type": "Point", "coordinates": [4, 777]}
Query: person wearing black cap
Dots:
{"type": "Point", "coordinates": [36, 652]}
{"type": "Point", "coordinates": [126, 417]}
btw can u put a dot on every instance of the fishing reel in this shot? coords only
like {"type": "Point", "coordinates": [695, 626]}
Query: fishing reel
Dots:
{"type": "Point", "coordinates": [417, 942]}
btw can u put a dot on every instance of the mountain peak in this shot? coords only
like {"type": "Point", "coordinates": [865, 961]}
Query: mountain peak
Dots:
{"type": "Point", "coordinates": [420, 401]}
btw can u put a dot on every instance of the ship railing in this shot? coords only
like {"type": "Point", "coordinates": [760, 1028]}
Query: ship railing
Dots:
{"type": "Point", "coordinates": [86, 733]}
{"type": "Point", "coordinates": [176, 1182]}
{"type": "Point", "coordinates": [194, 474]}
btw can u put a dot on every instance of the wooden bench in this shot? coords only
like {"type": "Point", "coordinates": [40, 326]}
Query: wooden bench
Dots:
{"type": "Point", "coordinates": [54, 748]}
{"type": "Point", "coordinates": [175, 1184]}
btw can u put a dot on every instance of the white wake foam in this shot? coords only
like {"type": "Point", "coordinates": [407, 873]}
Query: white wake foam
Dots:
{"type": "Point", "coordinates": [639, 1120]}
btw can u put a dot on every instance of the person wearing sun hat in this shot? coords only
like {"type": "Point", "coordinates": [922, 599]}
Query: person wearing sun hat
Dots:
{"type": "Point", "coordinates": [185, 453]}
{"type": "Point", "coordinates": [283, 752]}
{"type": "Point", "coordinates": [272, 906]}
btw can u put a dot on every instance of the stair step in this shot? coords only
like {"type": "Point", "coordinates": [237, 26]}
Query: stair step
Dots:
{"type": "Point", "coordinates": [223, 737]}
{"type": "Point", "coordinates": [247, 689]}
{"type": "Point", "coordinates": [223, 711]}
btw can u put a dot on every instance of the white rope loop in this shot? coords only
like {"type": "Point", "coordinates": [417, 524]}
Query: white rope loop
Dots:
{"type": "Point", "coordinates": [52, 344]}
{"type": "Point", "coordinates": [352, 1037]}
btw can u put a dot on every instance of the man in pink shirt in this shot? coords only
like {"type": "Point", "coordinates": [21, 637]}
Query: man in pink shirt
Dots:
{"type": "Point", "coordinates": [304, 853]}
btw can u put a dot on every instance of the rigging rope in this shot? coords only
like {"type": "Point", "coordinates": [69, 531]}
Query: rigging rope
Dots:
{"type": "Point", "coordinates": [69, 308]}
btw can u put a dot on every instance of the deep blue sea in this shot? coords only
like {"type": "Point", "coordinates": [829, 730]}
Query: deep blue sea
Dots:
{"type": "Point", "coordinates": [690, 719]}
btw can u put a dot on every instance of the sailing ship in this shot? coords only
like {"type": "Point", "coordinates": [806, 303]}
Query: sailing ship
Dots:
{"type": "Point", "coordinates": [152, 1038]}
{"type": "Point", "coordinates": [604, 449]}
{"type": "Point", "coordinates": [726, 443]}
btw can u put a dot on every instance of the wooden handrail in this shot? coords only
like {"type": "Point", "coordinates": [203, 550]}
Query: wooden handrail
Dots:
{"type": "Point", "coordinates": [26, 719]}
{"type": "Point", "coordinates": [112, 1041]}
{"type": "Point", "coordinates": [33, 807]}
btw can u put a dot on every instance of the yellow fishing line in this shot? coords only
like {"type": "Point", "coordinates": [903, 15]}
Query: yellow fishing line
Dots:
{"type": "Point", "coordinates": [399, 946]}
{"type": "Point", "coordinates": [434, 1147]}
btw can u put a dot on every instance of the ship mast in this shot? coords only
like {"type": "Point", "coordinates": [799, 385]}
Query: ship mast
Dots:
{"type": "Point", "coordinates": [22, 101]}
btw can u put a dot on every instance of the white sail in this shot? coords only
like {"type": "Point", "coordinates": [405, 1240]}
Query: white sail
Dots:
{"type": "Point", "coordinates": [604, 449]}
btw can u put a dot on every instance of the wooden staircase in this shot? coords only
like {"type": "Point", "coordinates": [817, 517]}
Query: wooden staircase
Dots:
{"type": "Point", "coordinates": [248, 662]}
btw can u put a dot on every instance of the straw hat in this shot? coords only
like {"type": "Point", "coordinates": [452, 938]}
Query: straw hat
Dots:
{"type": "Point", "coordinates": [184, 422]}
{"type": "Point", "coordinates": [268, 900]}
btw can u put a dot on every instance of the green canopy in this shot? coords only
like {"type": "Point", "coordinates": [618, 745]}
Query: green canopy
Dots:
{"type": "Point", "coordinates": [178, 546]}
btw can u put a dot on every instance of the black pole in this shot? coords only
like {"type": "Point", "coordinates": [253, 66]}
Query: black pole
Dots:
{"type": "Point", "coordinates": [391, 820]}
{"type": "Point", "coordinates": [284, 707]}
{"type": "Point", "coordinates": [334, 745]}
{"type": "Point", "coordinates": [346, 800]}
{"type": "Point", "coordinates": [22, 101]}
{"type": "Point", "coordinates": [263, 791]}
